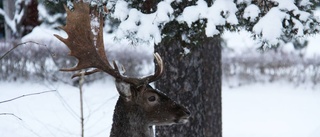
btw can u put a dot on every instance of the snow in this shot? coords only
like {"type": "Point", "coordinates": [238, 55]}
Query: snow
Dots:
{"type": "Point", "coordinates": [258, 110]}
{"type": "Point", "coordinates": [243, 1]}
{"type": "Point", "coordinates": [137, 25]}
{"type": "Point", "coordinates": [146, 26]}
{"type": "Point", "coordinates": [13, 22]}
{"type": "Point", "coordinates": [299, 26]}
{"type": "Point", "coordinates": [121, 10]}
{"type": "Point", "coordinates": [45, 16]}
{"type": "Point", "coordinates": [43, 33]}
{"type": "Point", "coordinates": [305, 3]}
{"type": "Point", "coordinates": [255, 110]}
{"type": "Point", "coordinates": [95, 24]}
{"type": "Point", "coordinates": [270, 26]}
{"type": "Point", "coordinates": [56, 113]}
{"type": "Point", "coordinates": [289, 5]}
{"type": "Point", "coordinates": [193, 13]}
{"type": "Point", "coordinates": [313, 48]}
{"type": "Point", "coordinates": [242, 41]}
{"type": "Point", "coordinates": [271, 110]}
{"type": "Point", "coordinates": [252, 11]}
{"type": "Point", "coordinates": [239, 41]}
{"type": "Point", "coordinates": [8, 21]}
{"type": "Point", "coordinates": [286, 4]}
{"type": "Point", "coordinates": [220, 13]}
{"type": "Point", "coordinates": [164, 12]}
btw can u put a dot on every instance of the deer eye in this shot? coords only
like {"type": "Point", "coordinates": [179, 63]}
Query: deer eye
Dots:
{"type": "Point", "coordinates": [152, 98]}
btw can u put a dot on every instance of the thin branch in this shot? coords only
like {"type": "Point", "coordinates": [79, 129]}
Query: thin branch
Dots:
{"type": "Point", "coordinates": [26, 95]}
{"type": "Point", "coordinates": [11, 114]}
{"type": "Point", "coordinates": [22, 123]}
{"type": "Point", "coordinates": [15, 46]}
{"type": "Point", "coordinates": [67, 106]}
{"type": "Point", "coordinates": [81, 82]}
{"type": "Point", "coordinates": [5, 54]}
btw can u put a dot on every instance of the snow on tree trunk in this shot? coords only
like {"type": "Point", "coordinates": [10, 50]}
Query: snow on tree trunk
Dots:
{"type": "Point", "coordinates": [194, 80]}
{"type": "Point", "coordinates": [30, 18]}
{"type": "Point", "coordinates": [8, 7]}
{"type": "Point", "coordinates": [20, 17]}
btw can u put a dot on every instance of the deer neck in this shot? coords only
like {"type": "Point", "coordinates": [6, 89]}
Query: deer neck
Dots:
{"type": "Point", "coordinates": [129, 121]}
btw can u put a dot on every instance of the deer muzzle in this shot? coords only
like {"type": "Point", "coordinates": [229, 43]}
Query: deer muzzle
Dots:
{"type": "Point", "coordinates": [182, 116]}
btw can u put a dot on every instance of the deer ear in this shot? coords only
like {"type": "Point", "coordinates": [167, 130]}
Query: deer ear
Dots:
{"type": "Point", "coordinates": [124, 90]}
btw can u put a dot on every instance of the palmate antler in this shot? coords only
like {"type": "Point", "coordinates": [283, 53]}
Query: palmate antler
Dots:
{"type": "Point", "coordinates": [88, 48]}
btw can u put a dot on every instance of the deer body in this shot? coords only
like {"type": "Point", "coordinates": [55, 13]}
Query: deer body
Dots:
{"type": "Point", "coordinates": [139, 106]}
{"type": "Point", "coordinates": [129, 125]}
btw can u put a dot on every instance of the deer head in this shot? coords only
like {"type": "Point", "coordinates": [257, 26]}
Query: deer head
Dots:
{"type": "Point", "coordinates": [139, 105]}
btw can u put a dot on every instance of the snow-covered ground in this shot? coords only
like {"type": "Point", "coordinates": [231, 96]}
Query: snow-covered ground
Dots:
{"type": "Point", "coordinates": [257, 110]}
{"type": "Point", "coordinates": [271, 110]}
{"type": "Point", "coordinates": [57, 113]}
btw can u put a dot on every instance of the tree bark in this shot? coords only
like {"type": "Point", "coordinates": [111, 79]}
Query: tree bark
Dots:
{"type": "Point", "coordinates": [30, 18]}
{"type": "Point", "coordinates": [194, 80]}
{"type": "Point", "coordinates": [8, 7]}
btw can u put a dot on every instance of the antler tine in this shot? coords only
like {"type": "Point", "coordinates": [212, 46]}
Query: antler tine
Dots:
{"type": "Point", "coordinates": [118, 76]}
{"type": "Point", "coordinates": [159, 66]}
{"type": "Point", "coordinates": [83, 41]}
{"type": "Point", "coordinates": [159, 69]}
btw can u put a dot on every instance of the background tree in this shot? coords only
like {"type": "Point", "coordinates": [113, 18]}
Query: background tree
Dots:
{"type": "Point", "coordinates": [7, 12]}
{"type": "Point", "coordinates": [20, 16]}
{"type": "Point", "coordinates": [52, 13]}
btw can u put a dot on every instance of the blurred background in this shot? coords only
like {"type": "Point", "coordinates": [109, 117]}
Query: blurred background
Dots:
{"type": "Point", "coordinates": [273, 92]}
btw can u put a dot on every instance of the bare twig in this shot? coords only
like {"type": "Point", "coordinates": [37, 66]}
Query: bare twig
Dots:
{"type": "Point", "coordinates": [11, 114]}
{"type": "Point", "coordinates": [81, 81]}
{"type": "Point", "coordinates": [26, 95]}
{"type": "Point", "coordinates": [5, 54]}
{"type": "Point", "coordinates": [15, 46]}
{"type": "Point", "coordinates": [22, 123]}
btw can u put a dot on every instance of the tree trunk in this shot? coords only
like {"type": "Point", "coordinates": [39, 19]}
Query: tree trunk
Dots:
{"type": "Point", "coordinates": [194, 80]}
{"type": "Point", "coordinates": [30, 18]}
{"type": "Point", "coordinates": [8, 7]}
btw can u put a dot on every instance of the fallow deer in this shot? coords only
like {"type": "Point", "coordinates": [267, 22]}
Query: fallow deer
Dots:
{"type": "Point", "coordinates": [139, 106]}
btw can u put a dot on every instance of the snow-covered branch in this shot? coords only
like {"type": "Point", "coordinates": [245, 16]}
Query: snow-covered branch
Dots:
{"type": "Point", "coordinates": [144, 26]}
{"type": "Point", "coordinates": [45, 17]}
{"type": "Point", "coordinates": [270, 20]}
{"type": "Point", "coordinates": [219, 14]}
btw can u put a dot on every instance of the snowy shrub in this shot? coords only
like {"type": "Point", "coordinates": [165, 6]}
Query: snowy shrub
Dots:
{"type": "Point", "coordinates": [270, 66]}
{"type": "Point", "coordinates": [42, 62]}
{"type": "Point", "coordinates": [30, 61]}
{"type": "Point", "coordinates": [38, 62]}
